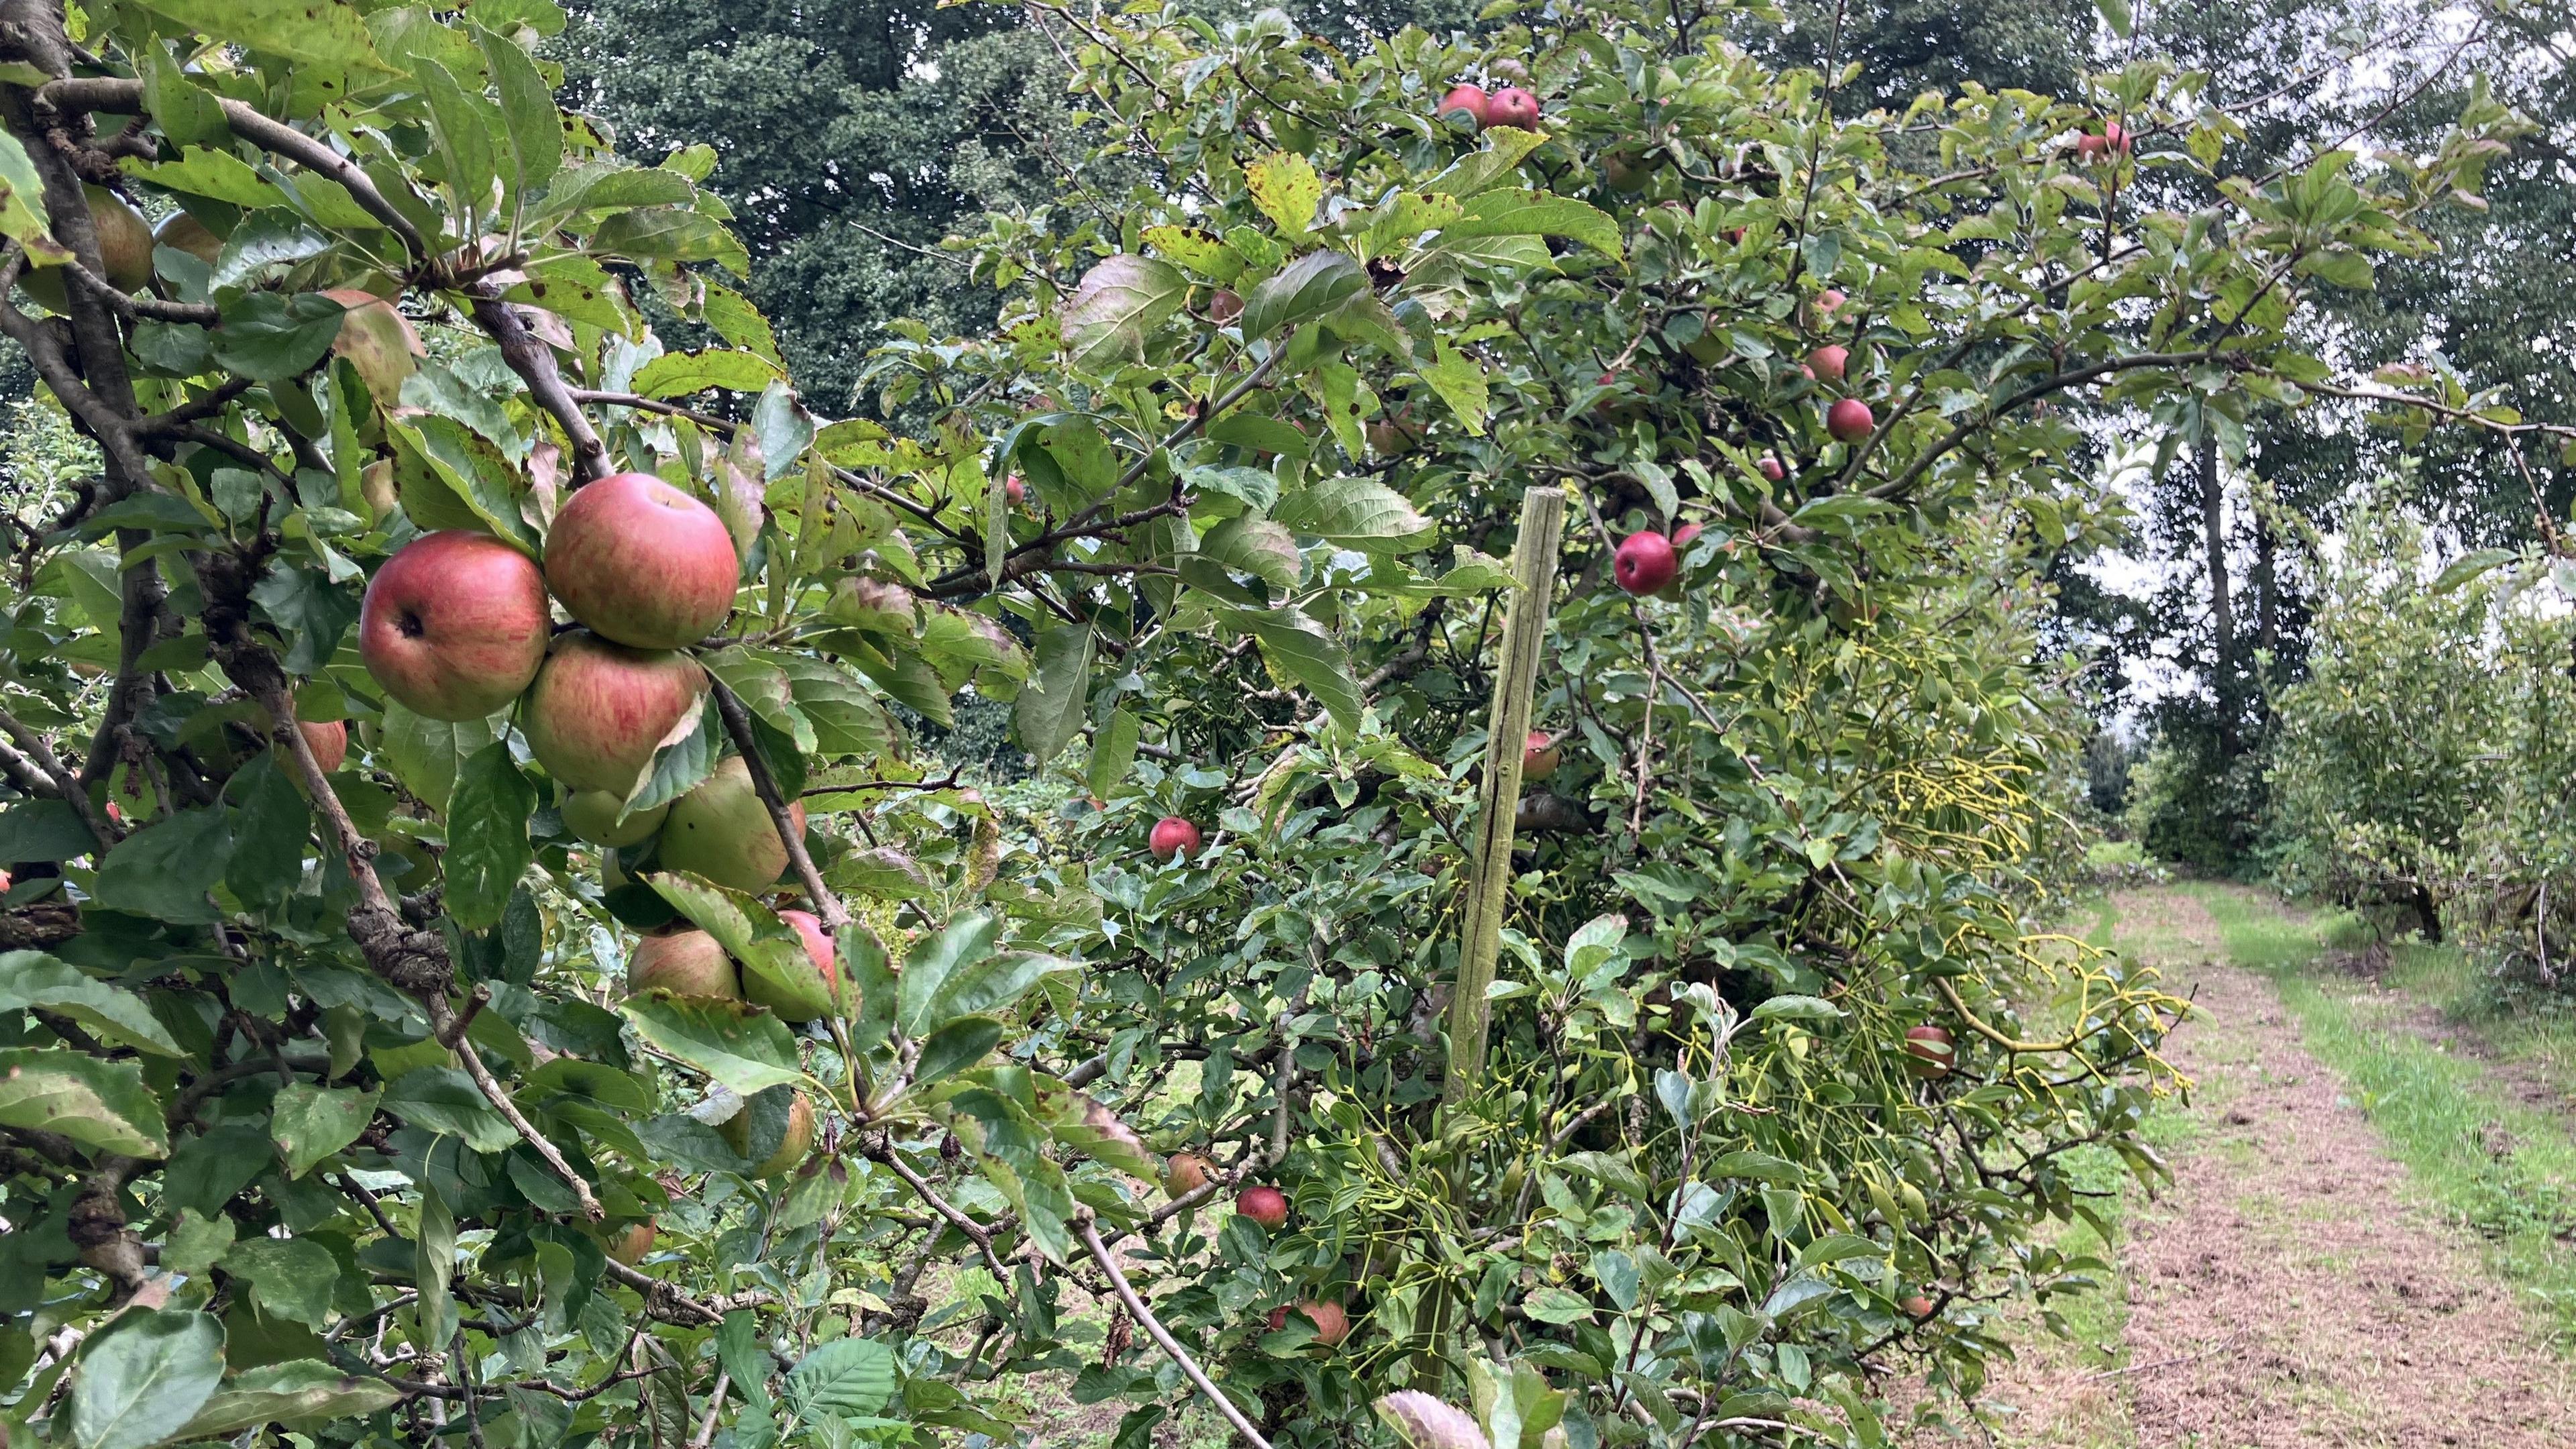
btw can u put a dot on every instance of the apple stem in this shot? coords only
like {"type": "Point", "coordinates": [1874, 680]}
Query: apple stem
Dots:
{"type": "Point", "coordinates": [1136, 1309]}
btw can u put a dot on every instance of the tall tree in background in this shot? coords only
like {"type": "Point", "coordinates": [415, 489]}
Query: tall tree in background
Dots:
{"type": "Point", "coordinates": [850, 139]}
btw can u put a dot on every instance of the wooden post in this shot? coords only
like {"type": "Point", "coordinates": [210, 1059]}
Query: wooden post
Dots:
{"type": "Point", "coordinates": [1489, 884]}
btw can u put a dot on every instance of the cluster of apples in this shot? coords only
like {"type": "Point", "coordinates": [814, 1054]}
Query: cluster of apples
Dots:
{"type": "Point", "coordinates": [1186, 1172]}
{"type": "Point", "coordinates": [457, 625]}
{"type": "Point", "coordinates": [1511, 106]}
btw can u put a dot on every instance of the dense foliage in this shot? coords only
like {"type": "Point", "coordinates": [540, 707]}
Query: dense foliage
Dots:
{"type": "Point", "coordinates": [2423, 765]}
{"type": "Point", "coordinates": [325, 1103]}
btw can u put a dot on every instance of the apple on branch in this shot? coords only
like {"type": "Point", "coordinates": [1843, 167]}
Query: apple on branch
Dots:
{"type": "Point", "coordinates": [642, 563]}
{"type": "Point", "coordinates": [454, 625]}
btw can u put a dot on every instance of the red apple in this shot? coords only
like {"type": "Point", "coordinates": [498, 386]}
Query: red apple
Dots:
{"type": "Point", "coordinates": [1849, 419]}
{"type": "Point", "coordinates": [1917, 1306]}
{"type": "Point", "coordinates": [601, 817]}
{"type": "Point", "coordinates": [1645, 562]}
{"type": "Point", "coordinates": [454, 625]}
{"type": "Point", "coordinates": [599, 711]}
{"type": "Point", "coordinates": [1540, 755]}
{"type": "Point", "coordinates": [629, 1245]}
{"type": "Point", "coordinates": [1185, 1173]}
{"type": "Point", "coordinates": [1930, 1051]}
{"type": "Point", "coordinates": [1014, 492]}
{"type": "Point", "coordinates": [1829, 362]}
{"type": "Point", "coordinates": [1332, 1322]}
{"type": "Point", "coordinates": [1173, 836]}
{"type": "Point", "coordinates": [2112, 141]}
{"type": "Point", "coordinates": [1829, 301]}
{"type": "Point", "coordinates": [722, 831]}
{"type": "Point", "coordinates": [818, 949]}
{"type": "Point", "coordinates": [642, 563]}
{"type": "Point", "coordinates": [1223, 307]}
{"type": "Point", "coordinates": [792, 1149]}
{"type": "Point", "coordinates": [329, 741]}
{"type": "Point", "coordinates": [1771, 467]}
{"type": "Point", "coordinates": [686, 962]}
{"type": "Point", "coordinates": [1511, 106]}
{"type": "Point", "coordinates": [1267, 1206]}
{"type": "Point", "coordinates": [1464, 97]}
{"type": "Point", "coordinates": [1683, 535]}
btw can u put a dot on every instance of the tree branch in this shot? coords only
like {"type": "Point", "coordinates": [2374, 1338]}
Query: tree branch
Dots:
{"type": "Point", "coordinates": [1137, 1310]}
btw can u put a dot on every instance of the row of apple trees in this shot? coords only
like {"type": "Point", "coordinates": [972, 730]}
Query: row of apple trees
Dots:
{"type": "Point", "coordinates": [428, 1020]}
{"type": "Point", "coordinates": [2421, 771]}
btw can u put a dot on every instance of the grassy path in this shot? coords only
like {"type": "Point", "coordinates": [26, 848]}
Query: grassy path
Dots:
{"type": "Point", "coordinates": [2366, 1242]}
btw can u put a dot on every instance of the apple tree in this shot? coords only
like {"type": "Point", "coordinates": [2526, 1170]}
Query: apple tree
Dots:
{"type": "Point", "coordinates": [494, 955]}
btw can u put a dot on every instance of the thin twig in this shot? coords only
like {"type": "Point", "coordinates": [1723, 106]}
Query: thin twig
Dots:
{"type": "Point", "coordinates": [1137, 1310]}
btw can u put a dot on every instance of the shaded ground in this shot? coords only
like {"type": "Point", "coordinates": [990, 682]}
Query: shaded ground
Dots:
{"type": "Point", "coordinates": [2284, 1292]}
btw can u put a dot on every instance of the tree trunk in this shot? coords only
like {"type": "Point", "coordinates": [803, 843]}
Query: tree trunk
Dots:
{"type": "Point", "coordinates": [2213, 525]}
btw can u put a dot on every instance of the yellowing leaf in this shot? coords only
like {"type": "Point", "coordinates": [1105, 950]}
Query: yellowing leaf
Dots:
{"type": "Point", "coordinates": [1286, 189]}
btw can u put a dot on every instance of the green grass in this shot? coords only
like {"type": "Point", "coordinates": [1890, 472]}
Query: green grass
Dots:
{"type": "Point", "coordinates": [2476, 1155]}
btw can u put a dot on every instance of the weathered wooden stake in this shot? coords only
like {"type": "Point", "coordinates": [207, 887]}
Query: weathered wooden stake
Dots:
{"type": "Point", "coordinates": [1515, 685]}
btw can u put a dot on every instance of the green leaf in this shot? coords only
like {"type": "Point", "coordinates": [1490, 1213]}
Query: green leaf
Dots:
{"type": "Point", "coordinates": [1284, 185]}
{"type": "Point", "coordinates": [677, 374]}
{"type": "Point", "coordinates": [269, 337]}
{"type": "Point", "coordinates": [735, 1043]}
{"type": "Point", "coordinates": [672, 235]}
{"type": "Point", "coordinates": [311, 613]}
{"type": "Point", "coordinates": [466, 126]}
{"type": "Point", "coordinates": [1357, 510]}
{"type": "Point", "coordinates": [22, 206]}
{"type": "Point", "coordinates": [291, 1278]}
{"type": "Point", "coordinates": [2115, 13]}
{"type": "Point", "coordinates": [1048, 712]}
{"type": "Point", "coordinates": [213, 173]}
{"type": "Point", "coordinates": [1797, 1008]}
{"type": "Point", "coordinates": [331, 34]}
{"type": "Point", "coordinates": [1461, 385]}
{"type": "Point", "coordinates": [270, 834]}
{"type": "Point", "coordinates": [1263, 548]}
{"type": "Point", "coordinates": [145, 1379]}
{"type": "Point", "coordinates": [300, 1393]}
{"type": "Point", "coordinates": [487, 836]}
{"type": "Point", "coordinates": [964, 941]}
{"type": "Point", "coordinates": [266, 243]}
{"type": "Point", "coordinates": [309, 1123]}
{"type": "Point", "coordinates": [426, 754]}
{"type": "Point", "coordinates": [445, 1100]}
{"type": "Point", "coordinates": [43, 830]}
{"type": "Point", "coordinates": [1113, 753]}
{"type": "Point", "coordinates": [1305, 289]}
{"type": "Point", "coordinates": [1300, 653]}
{"type": "Point", "coordinates": [955, 1047]}
{"type": "Point", "coordinates": [758, 941]}
{"type": "Point", "coordinates": [2470, 565]}
{"type": "Point", "coordinates": [1556, 1305]}
{"type": "Point", "coordinates": [1758, 1166]}
{"type": "Point", "coordinates": [186, 114]}
{"type": "Point", "coordinates": [197, 1242]}
{"type": "Point", "coordinates": [99, 1104]}
{"type": "Point", "coordinates": [535, 128]}
{"type": "Point", "coordinates": [32, 980]}
{"type": "Point", "coordinates": [1536, 213]}
{"type": "Point", "coordinates": [1118, 305]}
{"type": "Point", "coordinates": [166, 869]}
{"type": "Point", "coordinates": [846, 1378]}
{"type": "Point", "coordinates": [1503, 153]}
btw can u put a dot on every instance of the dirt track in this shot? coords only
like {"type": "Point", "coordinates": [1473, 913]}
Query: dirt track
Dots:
{"type": "Point", "coordinates": [2281, 1293]}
